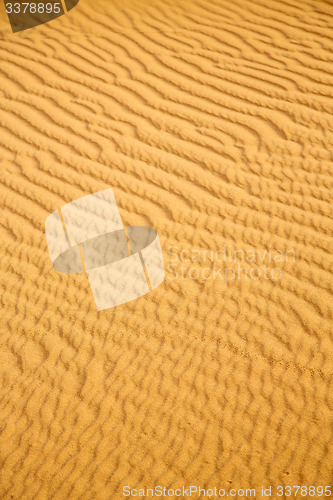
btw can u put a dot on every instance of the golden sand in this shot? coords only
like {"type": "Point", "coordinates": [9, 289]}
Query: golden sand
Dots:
{"type": "Point", "coordinates": [212, 122]}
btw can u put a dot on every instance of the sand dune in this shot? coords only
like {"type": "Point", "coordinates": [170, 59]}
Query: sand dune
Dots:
{"type": "Point", "coordinates": [212, 122]}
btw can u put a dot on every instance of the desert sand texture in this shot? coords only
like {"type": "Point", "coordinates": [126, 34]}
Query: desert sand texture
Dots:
{"type": "Point", "coordinates": [212, 122]}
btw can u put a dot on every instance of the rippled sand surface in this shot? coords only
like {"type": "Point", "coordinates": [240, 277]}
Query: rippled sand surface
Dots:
{"type": "Point", "coordinates": [212, 122]}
